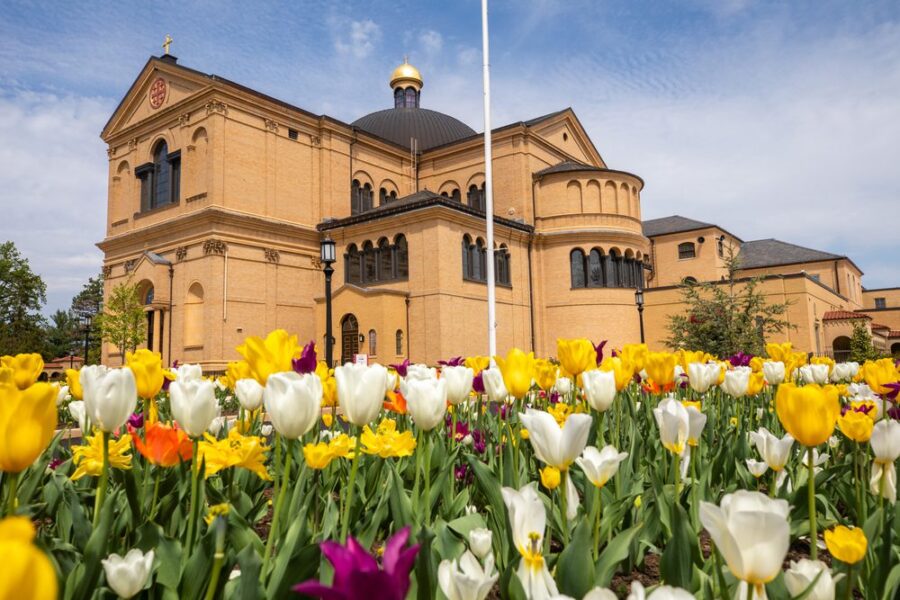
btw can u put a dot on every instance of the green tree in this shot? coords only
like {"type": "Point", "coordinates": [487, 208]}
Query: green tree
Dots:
{"type": "Point", "coordinates": [861, 347]}
{"type": "Point", "coordinates": [86, 306]}
{"type": "Point", "coordinates": [62, 335]}
{"type": "Point", "coordinates": [22, 295]}
{"type": "Point", "coordinates": [726, 317]}
{"type": "Point", "coordinates": [122, 322]}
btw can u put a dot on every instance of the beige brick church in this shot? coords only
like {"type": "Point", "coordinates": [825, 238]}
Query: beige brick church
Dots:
{"type": "Point", "coordinates": [219, 196]}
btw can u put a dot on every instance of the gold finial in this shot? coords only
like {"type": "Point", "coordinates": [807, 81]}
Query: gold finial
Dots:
{"type": "Point", "coordinates": [406, 75]}
{"type": "Point", "coordinates": [167, 42]}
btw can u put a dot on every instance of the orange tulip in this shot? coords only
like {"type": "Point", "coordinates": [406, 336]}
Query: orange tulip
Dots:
{"type": "Point", "coordinates": [163, 445]}
{"type": "Point", "coordinates": [397, 403]}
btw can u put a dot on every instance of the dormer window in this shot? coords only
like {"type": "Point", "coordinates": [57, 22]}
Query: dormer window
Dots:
{"type": "Point", "coordinates": [687, 250]}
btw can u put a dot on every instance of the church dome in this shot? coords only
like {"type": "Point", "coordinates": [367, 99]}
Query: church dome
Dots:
{"type": "Point", "coordinates": [406, 121]}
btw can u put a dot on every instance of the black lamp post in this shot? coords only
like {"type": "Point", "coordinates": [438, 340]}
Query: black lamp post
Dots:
{"type": "Point", "coordinates": [327, 255]}
{"type": "Point", "coordinates": [86, 321]}
{"type": "Point", "coordinates": [639, 300]}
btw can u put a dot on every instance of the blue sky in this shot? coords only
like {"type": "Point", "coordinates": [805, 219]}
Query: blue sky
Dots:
{"type": "Point", "coordinates": [772, 119]}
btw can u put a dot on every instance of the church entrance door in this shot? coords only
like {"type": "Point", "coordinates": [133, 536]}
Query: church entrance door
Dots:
{"type": "Point", "coordinates": [349, 338]}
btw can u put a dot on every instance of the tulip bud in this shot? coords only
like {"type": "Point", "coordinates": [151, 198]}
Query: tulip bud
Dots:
{"type": "Point", "coordinates": [188, 372]}
{"type": "Point", "coordinates": [266, 430]}
{"type": "Point", "coordinates": [737, 381]}
{"type": "Point", "coordinates": [493, 384]}
{"type": "Point", "coordinates": [361, 390]}
{"type": "Point", "coordinates": [109, 396]}
{"type": "Point", "coordinates": [703, 376]}
{"type": "Point", "coordinates": [480, 540]}
{"type": "Point", "coordinates": [773, 371]}
{"type": "Point", "coordinates": [468, 440]}
{"type": "Point", "coordinates": [801, 575]}
{"type": "Point", "coordinates": [426, 402]}
{"type": "Point", "coordinates": [249, 393]}
{"type": "Point", "coordinates": [77, 411]}
{"type": "Point", "coordinates": [459, 383]}
{"type": "Point", "coordinates": [194, 405]}
{"type": "Point", "coordinates": [599, 388]}
{"type": "Point", "coordinates": [128, 575]}
{"type": "Point", "coordinates": [814, 374]}
{"type": "Point", "coordinates": [293, 402]}
{"type": "Point", "coordinates": [216, 426]}
{"type": "Point", "coordinates": [62, 395]}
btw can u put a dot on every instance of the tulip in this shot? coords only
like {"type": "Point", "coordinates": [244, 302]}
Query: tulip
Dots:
{"type": "Point", "coordinates": [426, 402]}
{"type": "Point", "coordinates": [272, 355]}
{"type": "Point", "coordinates": [235, 371]}
{"type": "Point", "coordinates": [674, 425]}
{"type": "Point", "coordinates": [553, 445]}
{"type": "Point", "coordinates": [27, 368]}
{"type": "Point", "coordinates": [809, 413]}
{"type": "Point", "coordinates": [74, 383]}
{"type": "Point", "coordinates": [622, 371]}
{"type": "Point", "coordinates": [599, 388]}
{"type": "Point", "coordinates": [493, 385]}
{"type": "Point", "coordinates": [109, 396]}
{"type": "Point", "coordinates": [844, 371]}
{"type": "Point", "coordinates": [885, 442]}
{"type": "Point", "coordinates": [188, 372]}
{"type": "Point", "coordinates": [814, 374]}
{"type": "Point", "coordinates": [752, 532]}
{"type": "Point", "coordinates": [307, 362]}
{"type": "Point", "coordinates": [480, 542]}
{"type": "Point", "coordinates": [634, 356]}
{"type": "Point", "coordinates": [663, 592]}
{"type": "Point", "coordinates": [576, 356]}
{"type": "Point", "coordinates": [62, 393]}
{"type": "Point", "coordinates": [857, 426]}
{"type": "Point", "coordinates": [737, 382]}
{"type": "Point", "coordinates": [163, 445]}
{"type": "Point", "coordinates": [599, 466]}
{"type": "Point", "coordinates": [459, 383]}
{"type": "Point", "coordinates": [772, 450]}
{"type": "Point", "coordinates": [802, 574]}
{"type": "Point", "coordinates": [194, 405]}
{"type": "Point", "coordinates": [550, 478]}
{"type": "Point", "coordinates": [27, 572]}
{"type": "Point", "coordinates": [780, 352]}
{"type": "Point", "coordinates": [27, 423]}
{"type": "Point", "coordinates": [249, 393]}
{"type": "Point", "coordinates": [702, 376]}
{"type": "Point", "coordinates": [660, 367]}
{"type": "Point", "coordinates": [466, 579]}
{"type": "Point", "coordinates": [545, 374]}
{"type": "Point", "coordinates": [77, 412]}
{"type": "Point", "coordinates": [696, 423]}
{"type": "Point", "coordinates": [128, 575]}
{"type": "Point", "coordinates": [847, 544]}
{"type": "Point", "coordinates": [528, 521]}
{"type": "Point", "coordinates": [478, 363]}
{"type": "Point", "coordinates": [563, 386]}
{"type": "Point", "coordinates": [293, 402]}
{"type": "Point", "coordinates": [361, 391]}
{"type": "Point", "coordinates": [148, 372]}
{"type": "Point", "coordinates": [757, 468]}
{"type": "Point", "coordinates": [773, 371]}
{"type": "Point", "coordinates": [879, 373]}
{"type": "Point", "coordinates": [599, 593]}
{"type": "Point", "coordinates": [517, 369]}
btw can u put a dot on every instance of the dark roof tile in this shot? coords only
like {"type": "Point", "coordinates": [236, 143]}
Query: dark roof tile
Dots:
{"type": "Point", "coordinates": [673, 224]}
{"type": "Point", "coordinates": [399, 125]}
{"type": "Point", "coordinates": [772, 252]}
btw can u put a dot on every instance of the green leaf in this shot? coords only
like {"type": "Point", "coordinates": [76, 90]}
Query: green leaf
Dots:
{"type": "Point", "coordinates": [675, 563]}
{"type": "Point", "coordinates": [95, 550]}
{"type": "Point", "coordinates": [426, 573]}
{"type": "Point", "coordinates": [510, 586]}
{"type": "Point", "coordinates": [303, 565]}
{"type": "Point", "coordinates": [248, 585]}
{"type": "Point", "coordinates": [614, 553]}
{"type": "Point", "coordinates": [463, 525]}
{"type": "Point", "coordinates": [575, 568]}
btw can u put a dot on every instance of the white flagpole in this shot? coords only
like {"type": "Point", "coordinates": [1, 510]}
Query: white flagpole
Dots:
{"type": "Point", "coordinates": [488, 187]}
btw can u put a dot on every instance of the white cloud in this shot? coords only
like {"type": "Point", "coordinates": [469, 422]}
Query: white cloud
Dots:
{"type": "Point", "coordinates": [431, 41]}
{"type": "Point", "coordinates": [358, 38]}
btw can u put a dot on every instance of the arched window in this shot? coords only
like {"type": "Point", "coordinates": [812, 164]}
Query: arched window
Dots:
{"type": "Point", "coordinates": [354, 198]}
{"type": "Point", "coordinates": [689, 281]}
{"type": "Point", "coordinates": [686, 250]}
{"type": "Point", "coordinates": [161, 174]}
{"type": "Point", "coordinates": [353, 265]}
{"type": "Point", "coordinates": [401, 257]}
{"type": "Point", "coordinates": [373, 343]}
{"type": "Point", "coordinates": [628, 272]}
{"type": "Point", "coordinates": [455, 196]}
{"type": "Point", "coordinates": [148, 295]}
{"type": "Point", "coordinates": [411, 98]}
{"type": "Point", "coordinates": [365, 198]}
{"type": "Point", "coordinates": [501, 268]}
{"type": "Point", "coordinates": [385, 261]}
{"type": "Point", "coordinates": [370, 269]}
{"type": "Point", "coordinates": [480, 260]}
{"type": "Point", "coordinates": [720, 246]}
{"type": "Point", "coordinates": [576, 261]}
{"type": "Point", "coordinates": [595, 273]}
{"type": "Point", "coordinates": [193, 316]}
{"type": "Point", "coordinates": [615, 271]}
{"type": "Point", "coordinates": [161, 178]}
{"type": "Point", "coordinates": [475, 197]}
{"type": "Point", "coordinates": [398, 98]}
{"type": "Point", "coordinates": [468, 265]}
{"type": "Point", "coordinates": [398, 341]}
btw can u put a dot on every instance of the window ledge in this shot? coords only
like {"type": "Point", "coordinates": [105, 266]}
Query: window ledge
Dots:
{"type": "Point", "coordinates": [158, 209]}
{"type": "Point", "coordinates": [377, 283]}
{"type": "Point", "coordinates": [484, 282]}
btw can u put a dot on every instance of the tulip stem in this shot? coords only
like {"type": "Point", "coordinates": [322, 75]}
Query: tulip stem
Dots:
{"type": "Point", "coordinates": [218, 559]}
{"type": "Point", "coordinates": [813, 530]}
{"type": "Point", "coordinates": [598, 513]}
{"type": "Point", "coordinates": [848, 593]}
{"type": "Point", "coordinates": [427, 497]}
{"type": "Point", "coordinates": [562, 504]}
{"type": "Point", "coordinates": [345, 525]}
{"type": "Point", "coordinates": [104, 479]}
{"type": "Point", "coordinates": [192, 517]}
{"type": "Point", "coordinates": [12, 500]}
{"type": "Point", "coordinates": [155, 495]}
{"type": "Point", "coordinates": [273, 529]}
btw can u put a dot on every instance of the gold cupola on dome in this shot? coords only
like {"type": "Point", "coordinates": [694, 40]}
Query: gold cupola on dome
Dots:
{"type": "Point", "coordinates": [406, 81]}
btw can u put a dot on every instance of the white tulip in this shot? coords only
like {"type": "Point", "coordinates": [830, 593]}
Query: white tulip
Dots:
{"type": "Point", "coordinates": [426, 402]}
{"type": "Point", "coordinates": [480, 542]}
{"type": "Point", "coordinates": [663, 592]}
{"type": "Point", "coordinates": [814, 373]}
{"type": "Point", "coordinates": [572, 499]}
{"type": "Point", "coordinates": [492, 379]}
{"type": "Point", "coordinates": [194, 405]}
{"type": "Point", "coordinates": [266, 430]}
{"type": "Point", "coordinates": [216, 425]}
{"type": "Point", "coordinates": [885, 442]}
{"type": "Point", "coordinates": [674, 425]}
{"type": "Point", "coordinates": [773, 372]}
{"type": "Point", "coordinates": [736, 382]}
{"type": "Point", "coordinates": [554, 445]}
{"type": "Point", "coordinates": [757, 468]}
{"type": "Point", "coordinates": [468, 440]}
{"type": "Point", "coordinates": [459, 383]}
{"type": "Point", "coordinates": [361, 391]}
{"type": "Point", "coordinates": [293, 402]}
{"type": "Point", "coordinates": [599, 388]}
{"type": "Point", "coordinates": [563, 385]}
{"type": "Point", "coordinates": [128, 575]}
{"type": "Point", "coordinates": [188, 372]}
{"type": "Point", "coordinates": [77, 410]}
{"type": "Point", "coordinates": [528, 521]}
{"type": "Point", "coordinates": [752, 532]}
{"type": "Point", "coordinates": [62, 394]}
{"type": "Point", "coordinates": [599, 593]}
{"type": "Point", "coordinates": [819, 460]}
{"type": "Point", "coordinates": [599, 466]}
{"type": "Point", "coordinates": [109, 396]}
{"type": "Point", "coordinates": [844, 371]}
{"type": "Point", "coordinates": [801, 575]}
{"type": "Point", "coordinates": [702, 376]}
{"type": "Point", "coordinates": [466, 579]}
{"type": "Point", "coordinates": [249, 393]}
{"type": "Point", "coordinates": [417, 372]}
{"type": "Point", "coordinates": [772, 450]}
{"type": "Point", "coordinates": [696, 423]}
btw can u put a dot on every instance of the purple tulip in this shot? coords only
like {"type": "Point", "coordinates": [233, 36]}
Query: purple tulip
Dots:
{"type": "Point", "coordinates": [456, 361]}
{"type": "Point", "coordinates": [740, 360]}
{"type": "Point", "coordinates": [307, 362]}
{"type": "Point", "coordinates": [554, 397]}
{"type": "Point", "coordinates": [599, 349]}
{"type": "Point", "coordinates": [357, 574]}
{"type": "Point", "coordinates": [136, 420]}
{"type": "Point", "coordinates": [478, 384]}
{"type": "Point", "coordinates": [478, 441]}
{"type": "Point", "coordinates": [54, 463]}
{"type": "Point", "coordinates": [402, 368]}
{"type": "Point", "coordinates": [895, 390]}
{"type": "Point", "coordinates": [614, 353]}
{"type": "Point", "coordinates": [462, 429]}
{"type": "Point", "coordinates": [166, 383]}
{"type": "Point", "coordinates": [894, 412]}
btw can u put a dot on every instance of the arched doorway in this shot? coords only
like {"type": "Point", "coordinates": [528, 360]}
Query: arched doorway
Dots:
{"type": "Point", "coordinates": [895, 350]}
{"type": "Point", "coordinates": [349, 338]}
{"type": "Point", "coordinates": [841, 348]}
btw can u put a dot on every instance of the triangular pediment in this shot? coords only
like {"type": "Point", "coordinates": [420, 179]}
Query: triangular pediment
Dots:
{"type": "Point", "coordinates": [160, 85]}
{"type": "Point", "coordinates": [564, 131]}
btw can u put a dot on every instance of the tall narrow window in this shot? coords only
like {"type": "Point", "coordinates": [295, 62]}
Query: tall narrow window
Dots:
{"type": "Point", "coordinates": [353, 265]}
{"type": "Point", "coordinates": [720, 246]}
{"type": "Point", "coordinates": [401, 252]}
{"type": "Point", "coordinates": [455, 196]}
{"type": "Point", "coordinates": [686, 250]}
{"type": "Point", "coordinates": [385, 261]}
{"type": "Point", "coordinates": [373, 343]}
{"type": "Point", "coordinates": [365, 201]}
{"type": "Point", "coordinates": [467, 265]}
{"type": "Point", "coordinates": [160, 175]}
{"type": "Point", "coordinates": [475, 197]}
{"type": "Point", "coordinates": [576, 261]}
{"type": "Point", "coordinates": [595, 268]}
{"type": "Point", "coordinates": [615, 271]}
{"type": "Point", "coordinates": [370, 270]}
{"type": "Point", "coordinates": [354, 198]}
{"type": "Point", "coordinates": [398, 342]}
{"type": "Point", "coordinates": [502, 276]}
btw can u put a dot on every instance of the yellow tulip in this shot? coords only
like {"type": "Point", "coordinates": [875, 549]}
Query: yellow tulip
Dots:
{"type": "Point", "coordinates": [634, 356]}
{"type": "Point", "coordinates": [857, 426]}
{"type": "Point", "coordinates": [877, 373]}
{"type": "Point", "coordinates": [318, 456]}
{"type": "Point", "coordinates": [847, 544]}
{"type": "Point", "coordinates": [235, 371]}
{"type": "Point", "coordinates": [148, 372]}
{"type": "Point", "coordinates": [89, 457]}
{"type": "Point", "coordinates": [216, 510]}
{"type": "Point", "coordinates": [686, 357]}
{"type": "Point", "coordinates": [550, 477]}
{"type": "Point", "coordinates": [73, 380]}
{"type": "Point", "coordinates": [386, 441]}
{"type": "Point", "coordinates": [756, 364]}
{"type": "Point", "coordinates": [329, 384]}
{"type": "Point", "coordinates": [26, 572]}
{"type": "Point", "coordinates": [624, 374]}
{"type": "Point", "coordinates": [270, 355]}
{"type": "Point", "coordinates": [757, 383]}
{"type": "Point", "coordinates": [660, 366]}
{"type": "Point", "coordinates": [26, 368]}
{"type": "Point", "coordinates": [823, 360]}
{"type": "Point", "coordinates": [780, 352]}
{"type": "Point", "coordinates": [27, 422]}
{"type": "Point", "coordinates": [576, 356]}
{"type": "Point", "coordinates": [545, 374]}
{"type": "Point", "coordinates": [478, 363]}
{"type": "Point", "coordinates": [809, 413]}
{"type": "Point", "coordinates": [516, 369]}
{"type": "Point", "coordinates": [236, 450]}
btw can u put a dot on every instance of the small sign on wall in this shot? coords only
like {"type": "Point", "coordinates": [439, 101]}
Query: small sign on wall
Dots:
{"type": "Point", "coordinates": [361, 359]}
